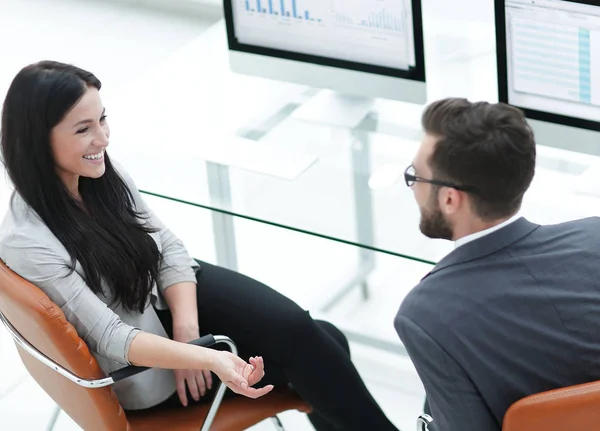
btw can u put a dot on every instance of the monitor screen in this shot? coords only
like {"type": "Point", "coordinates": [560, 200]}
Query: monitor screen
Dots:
{"type": "Point", "coordinates": [549, 59]}
{"type": "Point", "coordinates": [377, 36]}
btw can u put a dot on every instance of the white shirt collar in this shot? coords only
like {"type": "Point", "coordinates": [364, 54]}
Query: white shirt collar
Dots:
{"type": "Point", "coordinates": [482, 233]}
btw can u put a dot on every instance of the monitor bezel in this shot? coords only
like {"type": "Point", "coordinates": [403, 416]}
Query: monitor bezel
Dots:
{"type": "Point", "coordinates": [415, 73]}
{"type": "Point", "coordinates": [502, 68]}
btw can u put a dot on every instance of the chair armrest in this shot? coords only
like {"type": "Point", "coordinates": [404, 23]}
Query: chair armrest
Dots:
{"type": "Point", "coordinates": [132, 370]}
{"type": "Point", "coordinates": [29, 348]}
{"type": "Point", "coordinates": [425, 423]}
{"type": "Point", "coordinates": [115, 376]}
{"type": "Point", "coordinates": [123, 373]}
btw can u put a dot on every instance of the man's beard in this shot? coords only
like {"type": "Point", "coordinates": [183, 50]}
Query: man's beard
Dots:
{"type": "Point", "coordinates": [433, 224]}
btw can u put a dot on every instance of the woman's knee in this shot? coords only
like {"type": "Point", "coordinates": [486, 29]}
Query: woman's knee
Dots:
{"type": "Point", "coordinates": [296, 334]}
{"type": "Point", "coordinates": [335, 333]}
{"type": "Point", "coordinates": [295, 324]}
{"type": "Point", "coordinates": [299, 325]}
{"type": "Point", "coordinates": [297, 328]}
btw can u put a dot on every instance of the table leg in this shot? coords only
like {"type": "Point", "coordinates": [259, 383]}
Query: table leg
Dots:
{"type": "Point", "coordinates": [363, 209]}
{"type": "Point", "coordinates": [220, 191]}
{"type": "Point", "coordinates": [363, 203]}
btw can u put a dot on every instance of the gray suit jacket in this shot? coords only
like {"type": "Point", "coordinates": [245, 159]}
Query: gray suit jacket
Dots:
{"type": "Point", "coordinates": [508, 315]}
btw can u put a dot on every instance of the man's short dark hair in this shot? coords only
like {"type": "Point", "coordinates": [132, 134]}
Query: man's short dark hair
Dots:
{"type": "Point", "coordinates": [488, 146]}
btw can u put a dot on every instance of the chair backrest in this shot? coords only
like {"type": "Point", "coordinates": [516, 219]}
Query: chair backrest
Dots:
{"type": "Point", "coordinates": [43, 324]}
{"type": "Point", "coordinates": [571, 408]}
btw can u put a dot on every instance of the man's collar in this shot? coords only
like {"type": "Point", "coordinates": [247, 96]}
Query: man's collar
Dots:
{"type": "Point", "coordinates": [466, 239]}
{"type": "Point", "coordinates": [491, 243]}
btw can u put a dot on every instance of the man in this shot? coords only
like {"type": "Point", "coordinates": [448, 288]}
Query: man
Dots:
{"type": "Point", "coordinates": [514, 309]}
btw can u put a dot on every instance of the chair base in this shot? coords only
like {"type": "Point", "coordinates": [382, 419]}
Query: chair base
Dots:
{"type": "Point", "coordinates": [278, 424]}
{"type": "Point", "coordinates": [53, 419]}
{"type": "Point", "coordinates": [235, 414]}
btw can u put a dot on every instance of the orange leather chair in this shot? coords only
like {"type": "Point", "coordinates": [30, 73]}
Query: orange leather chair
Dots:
{"type": "Point", "coordinates": [572, 408]}
{"type": "Point", "coordinates": [62, 365]}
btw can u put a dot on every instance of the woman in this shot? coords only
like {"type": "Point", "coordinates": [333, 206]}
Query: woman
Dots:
{"type": "Point", "coordinates": [78, 228]}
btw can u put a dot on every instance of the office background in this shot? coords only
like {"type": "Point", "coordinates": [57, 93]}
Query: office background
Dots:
{"type": "Point", "coordinates": [170, 96]}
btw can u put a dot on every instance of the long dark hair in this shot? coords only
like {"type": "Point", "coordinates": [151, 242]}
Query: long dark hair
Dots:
{"type": "Point", "coordinates": [110, 238]}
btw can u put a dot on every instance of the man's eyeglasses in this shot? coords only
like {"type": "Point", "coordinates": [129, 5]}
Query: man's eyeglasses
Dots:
{"type": "Point", "coordinates": [410, 178]}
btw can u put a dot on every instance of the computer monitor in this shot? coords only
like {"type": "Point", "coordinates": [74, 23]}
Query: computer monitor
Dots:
{"type": "Point", "coordinates": [362, 49]}
{"type": "Point", "coordinates": [548, 54]}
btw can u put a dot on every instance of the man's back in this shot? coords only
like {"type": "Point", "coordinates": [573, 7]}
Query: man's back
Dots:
{"type": "Point", "coordinates": [511, 314]}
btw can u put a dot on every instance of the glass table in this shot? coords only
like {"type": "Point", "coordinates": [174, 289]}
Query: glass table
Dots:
{"type": "Point", "coordinates": [168, 127]}
{"type": "Point", "coordinates": [332, 199]}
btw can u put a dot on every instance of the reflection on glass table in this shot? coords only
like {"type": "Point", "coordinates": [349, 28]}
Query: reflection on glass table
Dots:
{"type": "Point", "coordinates": [331, 197]}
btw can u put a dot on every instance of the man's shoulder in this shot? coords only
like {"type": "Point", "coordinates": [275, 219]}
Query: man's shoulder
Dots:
{"type": "Point", "coordinates": [424, 304]}
{"type": "Point", "coordinates": [443, 298]}
{"type": "Point", "coordinates": [589, 225]}
{"type": "Point", "coordinates": [563, 236]}
{"type": "Point", "coordinates": [454, 292]}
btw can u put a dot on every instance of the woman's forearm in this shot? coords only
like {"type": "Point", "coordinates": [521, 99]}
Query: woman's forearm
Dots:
{"type": "Point", "coordinates": [149, 350]}
{"type": "Point", "coordinates": [181, 298]}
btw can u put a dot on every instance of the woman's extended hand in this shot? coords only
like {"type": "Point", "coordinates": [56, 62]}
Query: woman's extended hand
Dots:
{"type": "Point", "coordinates": [240, 376]}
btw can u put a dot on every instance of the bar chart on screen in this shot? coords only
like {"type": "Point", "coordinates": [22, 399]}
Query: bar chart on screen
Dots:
{"type": "Point", "coordinates": [372, 30]}
{"type": "Point", "coordinates": [296, 10]}
{"type": "Point", "coordinates": [553, 60]}
{"type": "Point", "coordinates": [388, 15]}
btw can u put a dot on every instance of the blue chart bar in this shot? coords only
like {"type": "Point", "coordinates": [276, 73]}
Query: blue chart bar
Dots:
{"type": "Point", "coordinates": [283, 11]}
{"type": "Point", "coordinates": [381, 20]}
{"type": "Point", "coordinates": [384, 20]}
{"type": "Point", "coordinates": [585, 85]}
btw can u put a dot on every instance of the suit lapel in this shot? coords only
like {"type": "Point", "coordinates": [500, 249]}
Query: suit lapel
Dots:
{"type": "Point", "coordinates": [487, 245]}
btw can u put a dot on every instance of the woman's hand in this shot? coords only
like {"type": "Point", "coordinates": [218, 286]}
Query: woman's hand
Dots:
{"type": "Point", "coordinates": [240, 376]}
{"type": "Point", "coordinates": [197, 381]}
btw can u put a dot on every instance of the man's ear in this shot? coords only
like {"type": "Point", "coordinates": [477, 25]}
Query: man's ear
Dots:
{"type": "Point", "coordinates": [450, 200]}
